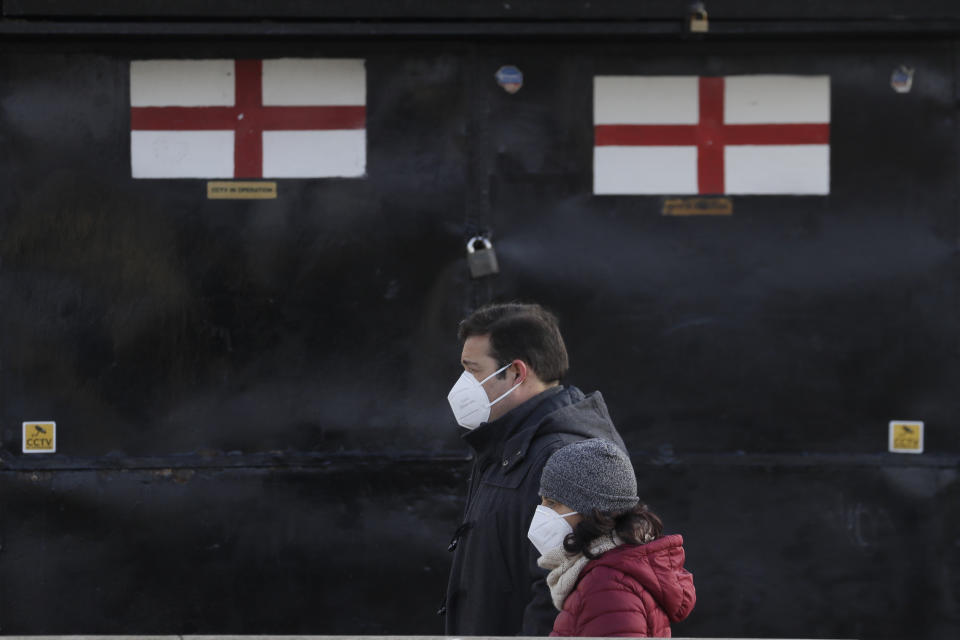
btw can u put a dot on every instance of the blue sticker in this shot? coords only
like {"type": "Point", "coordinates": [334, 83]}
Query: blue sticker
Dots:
{"type": "Point", "coordinates": [902, 79]}
{"type": "Point", "coordinates": [510, 78]}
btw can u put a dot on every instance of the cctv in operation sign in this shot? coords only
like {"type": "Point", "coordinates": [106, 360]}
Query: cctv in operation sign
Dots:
{"type": "Point", "coordinates": [39, 437]}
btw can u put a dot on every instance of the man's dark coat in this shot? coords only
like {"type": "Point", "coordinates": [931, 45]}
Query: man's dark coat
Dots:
{"type": "Point", "coordinates": [495, 586]}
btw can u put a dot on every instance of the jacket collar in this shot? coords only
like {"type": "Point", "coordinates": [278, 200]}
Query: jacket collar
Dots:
{"type": "Point", "coordinates": [517, 427]}
{"type": "Point", "coordinates": [658, 567]}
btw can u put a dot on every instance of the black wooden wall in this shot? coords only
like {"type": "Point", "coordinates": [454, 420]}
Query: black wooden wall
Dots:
{"type": "Point", "coordinates": [253, 435]}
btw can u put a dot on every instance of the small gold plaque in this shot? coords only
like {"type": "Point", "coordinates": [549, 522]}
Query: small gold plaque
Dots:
{"type": "Point", "coordinates": [230, 190]}
{"type": "Point", "coordinates": [698, 207]}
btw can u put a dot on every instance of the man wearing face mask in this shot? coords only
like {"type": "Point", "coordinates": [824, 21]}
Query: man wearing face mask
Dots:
{"type": "Point", "coordinates": [515, 413]}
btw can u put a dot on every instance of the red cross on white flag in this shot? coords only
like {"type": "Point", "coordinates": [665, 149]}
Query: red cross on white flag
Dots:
{"type": "Point", "coordinates": [762, 134]}
{"type": "Point", "coordinates": [283, 118]}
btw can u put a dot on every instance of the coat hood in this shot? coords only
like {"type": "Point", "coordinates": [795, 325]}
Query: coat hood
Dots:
{"type": "Point", "coordinates": [559, 410]}
{"type": "Point", "coordinates": [581, 415]}
{"type": "Point", "coordinates": [658, 567]}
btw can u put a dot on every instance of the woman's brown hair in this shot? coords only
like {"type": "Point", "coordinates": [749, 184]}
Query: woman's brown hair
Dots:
{"type": "Point", "coordinates": [638, 525]}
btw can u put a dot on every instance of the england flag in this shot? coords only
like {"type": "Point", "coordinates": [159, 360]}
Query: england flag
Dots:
{"type": "Point", "coordinates": [758, 134]}
{"type": "Point", "coordinates": [281, 118]}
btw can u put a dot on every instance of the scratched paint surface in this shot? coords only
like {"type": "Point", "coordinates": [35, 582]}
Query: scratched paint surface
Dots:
{"type": "Point", "coordinates": [325, 547]}
{"type": "Point", "coordinates": [222, 373]}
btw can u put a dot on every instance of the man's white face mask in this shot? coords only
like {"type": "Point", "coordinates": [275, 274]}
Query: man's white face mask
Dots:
{"type": "Point", "coordinates": [469, 402]}
{"type": "Point", "coordinates": [548, 529]}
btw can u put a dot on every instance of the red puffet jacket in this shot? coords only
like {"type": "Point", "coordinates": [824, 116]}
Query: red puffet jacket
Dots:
{"type": "Point", "coordinates": [630, 591]}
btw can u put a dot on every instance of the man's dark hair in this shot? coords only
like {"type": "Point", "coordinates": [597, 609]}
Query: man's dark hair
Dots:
{"type": "Point", "coordinates": [518, 331]}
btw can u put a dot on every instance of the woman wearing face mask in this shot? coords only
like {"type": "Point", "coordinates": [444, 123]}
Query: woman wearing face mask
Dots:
{"type": "Point", "coordinates": [612, 571]}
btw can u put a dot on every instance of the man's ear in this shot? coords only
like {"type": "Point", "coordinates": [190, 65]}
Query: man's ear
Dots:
{"type": "Point", "coordinates": [522, 370]}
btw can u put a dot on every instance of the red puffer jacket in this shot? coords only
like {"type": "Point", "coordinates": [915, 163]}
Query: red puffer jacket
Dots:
{"type": "Point", "coordinates": [630, 591]}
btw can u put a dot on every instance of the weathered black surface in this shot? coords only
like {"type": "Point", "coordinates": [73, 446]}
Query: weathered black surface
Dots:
{"type": "Point", "coordinates": [472, 19]}
{"type": "Point", "coordinates": [253, 433]}
{"type": "Point", "coordinates": [484, 9]}
{"type": "Point", "coordinates": [354, 548]}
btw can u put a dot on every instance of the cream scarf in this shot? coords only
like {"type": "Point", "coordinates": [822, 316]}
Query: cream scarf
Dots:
{"type": "Point", "coordinates": [565, 568]}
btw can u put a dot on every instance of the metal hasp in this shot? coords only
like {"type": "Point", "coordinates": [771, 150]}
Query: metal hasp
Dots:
{"type": "Point", "coordinates": [697, 18]}
{"type": "Point", "coordinates": [483, 261]}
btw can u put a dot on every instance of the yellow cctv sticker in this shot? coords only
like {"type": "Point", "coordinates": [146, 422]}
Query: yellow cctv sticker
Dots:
{"type": "Point", "coordinates": [39, 437]}
{"type": "Point", "coordinates": [906, 437]}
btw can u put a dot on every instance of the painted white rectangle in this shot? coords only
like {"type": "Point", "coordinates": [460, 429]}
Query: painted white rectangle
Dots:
{"type": "Point", "coordinates": [777, 169]}
{"type": "Point", "coordinates": [644, 170]}
{"type": "Point", "coordinates": [182, 83]}
{"type": "Point", "coordinates": [314, 154]}
{"type": "Point", "coordinates": [181, 154]}
{"type": "Point", "coordinates": [773, 99]}
{"type": "Point", "coordinates": [646, 100]}
{"type": "Point", "coordinates": [314, 81]}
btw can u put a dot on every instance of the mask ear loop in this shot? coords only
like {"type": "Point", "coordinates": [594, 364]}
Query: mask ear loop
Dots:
{"type": "Point", "coordinates": [509, 391]}
{"type": "Point", "coordinates": [555, 514]}
{"type": "Point", "coordinates": [503, 368]}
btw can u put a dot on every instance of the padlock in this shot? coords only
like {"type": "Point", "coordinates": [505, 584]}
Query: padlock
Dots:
{"type": "Point", "coordinates": [483, 261]}
{"type": "Point", "coordinates": [698, 18]}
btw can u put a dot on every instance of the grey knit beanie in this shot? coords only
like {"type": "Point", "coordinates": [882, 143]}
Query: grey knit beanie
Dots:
{"type": "Point", "coordinates": [590, 474]}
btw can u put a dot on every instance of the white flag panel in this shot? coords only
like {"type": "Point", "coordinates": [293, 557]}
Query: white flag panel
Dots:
{"type": "Point", "coordinates": [181, 83]}
{"type": "Point", "coordinates": [645, 170]}
{"type": "Point", "coordinates": [776, 99]}
{"type": "Point", "coordinates": [773, 169]}
{"type": "Point", "coordinates": [303, 154]}
{"type": "Point", "coordinates": [181, 154]}
{"type": "Point", "coordinates": [645, 100]}
{"type": "Point", "coordinates": [309, 81]}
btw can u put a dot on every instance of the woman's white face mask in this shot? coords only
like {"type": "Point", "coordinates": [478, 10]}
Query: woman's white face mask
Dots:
{"type": "Point", "coordinates": [469, 401]}
{"type": "Point", "coordinates": [548, 529]}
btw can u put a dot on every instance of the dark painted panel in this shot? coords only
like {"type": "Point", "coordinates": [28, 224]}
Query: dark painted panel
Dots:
{"type": "Point", "coordinates": [150, 321]}
{"type": "Point", "coordinates": [799, 323]}
{"type": "Point", "coordinates": [667, 30]}
{"type": "Point", "coordinates": [301, 342]}
{"type": "Point", "coordinates": [825, 551]}
{"type": "Point", "coordinates": [350, 548]}
{"type": "Point", "coordinates": [481, 9]}
{"type": "Point", "coordinates": [143, 310]}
